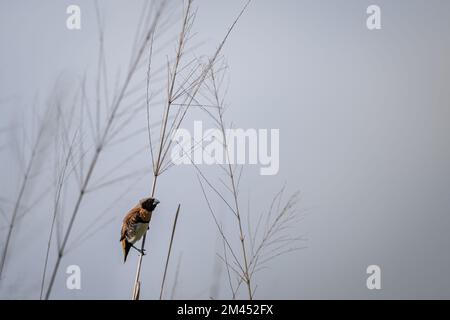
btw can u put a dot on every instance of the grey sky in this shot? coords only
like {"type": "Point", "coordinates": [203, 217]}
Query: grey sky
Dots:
{"type": "Point", "coordinates": [363, 118]}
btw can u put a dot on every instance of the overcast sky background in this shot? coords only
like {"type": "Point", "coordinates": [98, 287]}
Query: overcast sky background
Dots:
{"type": "Point", "coordinates": [364, 135]}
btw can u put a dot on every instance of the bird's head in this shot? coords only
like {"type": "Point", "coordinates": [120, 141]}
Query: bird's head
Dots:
{"type": "Point", "coordinates": [149, 204]}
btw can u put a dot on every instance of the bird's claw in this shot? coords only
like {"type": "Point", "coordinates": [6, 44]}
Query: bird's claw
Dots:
{"type": "Point", "coordinates": [141, 251]}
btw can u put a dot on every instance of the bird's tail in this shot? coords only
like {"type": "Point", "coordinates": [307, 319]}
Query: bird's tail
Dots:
{"type": "Point", "coordinates": [126, 248]}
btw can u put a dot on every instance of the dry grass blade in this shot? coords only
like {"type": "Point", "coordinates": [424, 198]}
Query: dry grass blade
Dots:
{"type": "Point", "coordinates": [36, 147]}
{"type": "Point", "coordinates": [177, 275]}
{"type": "Point", "coordinates": [58, 193]}
{"type": "Point", "coordinates": [168, 253]}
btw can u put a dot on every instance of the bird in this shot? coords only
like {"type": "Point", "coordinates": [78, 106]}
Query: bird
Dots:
{"type": "Point", "coordinates": [135, 224]}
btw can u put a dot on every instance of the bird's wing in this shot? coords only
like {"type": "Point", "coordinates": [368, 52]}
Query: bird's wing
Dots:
{"type": "Point", "coordinates": [144, 216]}
{"type": "Point", "coordinates": [123, 232]}
{"type": "Point", "coordinates": [129, 219]}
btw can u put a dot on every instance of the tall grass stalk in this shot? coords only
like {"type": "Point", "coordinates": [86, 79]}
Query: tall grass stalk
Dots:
{"type": "Point", "coordinates": [35, 151]}
{"type": "Point", "coordinates": [183, 97]}
{"type": "Point", "coordinates": [103, 136]}
{"type": "Point", "coordinates": [256, 247]}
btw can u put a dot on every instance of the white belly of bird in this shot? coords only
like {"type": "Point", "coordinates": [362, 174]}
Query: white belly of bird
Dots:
{"type": "Point", "coordinates": [140, 230]}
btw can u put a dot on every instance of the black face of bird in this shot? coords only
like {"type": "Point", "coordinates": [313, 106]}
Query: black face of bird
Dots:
{"type": "Point", "coordinates": [149, 204]}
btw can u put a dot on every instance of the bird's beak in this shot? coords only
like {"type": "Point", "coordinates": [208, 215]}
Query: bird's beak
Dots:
{"type": "Point", "coordinates": [156, 202]}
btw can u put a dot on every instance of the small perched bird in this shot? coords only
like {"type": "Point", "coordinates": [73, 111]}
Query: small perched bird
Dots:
{"type": "Point", "coordinates": [135, 224]}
